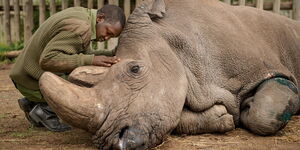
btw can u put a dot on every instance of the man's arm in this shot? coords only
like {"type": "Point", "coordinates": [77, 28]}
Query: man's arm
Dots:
{"type": "Point", "coordinates": [63, 53]}
{"type": "Point", "coordinates": [101, 52]}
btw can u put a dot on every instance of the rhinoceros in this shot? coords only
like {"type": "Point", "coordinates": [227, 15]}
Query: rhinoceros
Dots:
{"type": "Point", "coordinates": [187, 67]}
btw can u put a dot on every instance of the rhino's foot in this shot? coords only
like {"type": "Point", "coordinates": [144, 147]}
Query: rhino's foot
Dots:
{"type": "Point", "coordinates": [215, 119]}
{"type": "Point", "coordinates": [271, 107]}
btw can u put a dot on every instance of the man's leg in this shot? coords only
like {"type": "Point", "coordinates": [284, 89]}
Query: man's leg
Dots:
{"type": "Point", "coordinates": [38, 112]}
{"type": "Point", "coordinates": [272, 106]}
{"type": "Point", "coordinates": [30, 100]}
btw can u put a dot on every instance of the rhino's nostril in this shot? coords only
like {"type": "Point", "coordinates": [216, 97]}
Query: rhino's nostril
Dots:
{"type": "Point", "coordinates": [122, 132]}
{"type": "Point", "coordinates": [131, 139]}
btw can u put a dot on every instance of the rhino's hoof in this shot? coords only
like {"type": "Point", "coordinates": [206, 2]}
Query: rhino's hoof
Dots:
{"type": "Point", "coordinates": [226, 123]}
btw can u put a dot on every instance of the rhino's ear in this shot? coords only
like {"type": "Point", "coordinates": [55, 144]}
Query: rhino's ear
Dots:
{"type": "Point", "coordinates": [157, 10]}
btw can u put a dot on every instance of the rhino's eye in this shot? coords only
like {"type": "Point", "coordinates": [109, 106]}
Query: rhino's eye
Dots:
{"type": "Point", "coordinates": [135, 69]}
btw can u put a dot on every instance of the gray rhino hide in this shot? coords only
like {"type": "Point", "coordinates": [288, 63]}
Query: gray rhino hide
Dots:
{"type": "Point", "coordinates": [207, 56]}
{"type": "Point", "coordinates": [227, 51]}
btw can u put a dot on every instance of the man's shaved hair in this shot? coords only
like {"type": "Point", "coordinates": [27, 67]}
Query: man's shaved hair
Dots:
{"type": "Point", "coordinates": [113, 14]}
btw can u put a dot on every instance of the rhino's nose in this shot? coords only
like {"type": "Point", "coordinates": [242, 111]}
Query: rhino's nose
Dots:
{"type": "Point", "coordinates": [131, 139]}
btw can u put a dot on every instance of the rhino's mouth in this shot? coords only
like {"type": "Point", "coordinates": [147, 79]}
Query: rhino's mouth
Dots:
{"type": "Point", "coordinates": [130, 139]}
{"type": "Point", "coordinates": [123, 136]}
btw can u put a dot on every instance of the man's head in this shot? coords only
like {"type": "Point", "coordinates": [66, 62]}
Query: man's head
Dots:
{"type": "Point", "coordinates": [110, 22]}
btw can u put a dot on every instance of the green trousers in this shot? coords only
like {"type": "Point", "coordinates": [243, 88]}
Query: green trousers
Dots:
{"type": "Point", "coordinates": [31, 95]}
{"type": "Point", "coordinates": [34, 95]}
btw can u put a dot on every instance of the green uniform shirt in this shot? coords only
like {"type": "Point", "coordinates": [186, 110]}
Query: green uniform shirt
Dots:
{"type": "Point", "coordinates": [60, 44]}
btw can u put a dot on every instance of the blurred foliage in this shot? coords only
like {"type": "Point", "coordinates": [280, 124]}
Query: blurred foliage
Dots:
{"type": "Point", "coordinates": [14, 46]}
{"type": "Point", "coordinates": [5, 48]}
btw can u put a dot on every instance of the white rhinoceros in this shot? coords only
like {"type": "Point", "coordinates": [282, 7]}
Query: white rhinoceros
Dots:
{"type": "Point", "coordinates": [188, 66]}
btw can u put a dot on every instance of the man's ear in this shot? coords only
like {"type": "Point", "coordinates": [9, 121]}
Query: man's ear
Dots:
{"type": "Point", "coordinates": [157, 10]}
{"type": "Point", "coordinates": [100, 18]}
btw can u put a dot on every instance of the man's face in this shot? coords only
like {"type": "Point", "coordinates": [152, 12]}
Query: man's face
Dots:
{"type": "Point", "coordinates": [105, 30]}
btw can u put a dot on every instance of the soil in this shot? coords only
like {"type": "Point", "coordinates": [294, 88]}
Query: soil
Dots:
{"type": "Point", "coordinates": [16, 133]}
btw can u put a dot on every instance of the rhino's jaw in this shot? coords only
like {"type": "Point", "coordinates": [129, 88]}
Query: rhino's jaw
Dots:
{"type": "Point", "coordinates": [78, 106]}
{"type": "Point", "coordinates": [127, 136]}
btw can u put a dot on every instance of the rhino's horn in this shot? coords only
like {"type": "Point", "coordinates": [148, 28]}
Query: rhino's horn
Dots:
{"type": "Point", "coordinates": [76, 105]}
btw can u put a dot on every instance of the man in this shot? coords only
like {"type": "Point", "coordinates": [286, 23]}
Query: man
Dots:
{"type": "Point", "coordinates": [62, 43]}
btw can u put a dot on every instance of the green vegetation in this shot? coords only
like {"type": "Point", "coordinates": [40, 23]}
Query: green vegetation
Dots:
{"type": "Point", "coordinates": [4, 61]}
{"type": "Point", "coordinates": [14, 46]}
{"type": "Point", "coordinates": [24, 134]}
{"type": "Point", "coordinates": [5, 48]}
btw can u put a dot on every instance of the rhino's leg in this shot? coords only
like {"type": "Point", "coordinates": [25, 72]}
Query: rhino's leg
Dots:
{"type": "Point", "coordinates": [272, 106]}
{"type": "Point", "coordinates": [215, 119]}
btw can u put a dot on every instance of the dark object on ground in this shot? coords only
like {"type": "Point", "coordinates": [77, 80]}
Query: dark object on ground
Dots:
{"type": "Point", "coordinates": [43, 114]}
{"type": "Point", "coordinates": [27, 106]}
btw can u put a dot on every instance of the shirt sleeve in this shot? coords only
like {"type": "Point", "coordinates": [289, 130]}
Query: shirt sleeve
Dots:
{"type": "Point", "coordinates": [64, 53]}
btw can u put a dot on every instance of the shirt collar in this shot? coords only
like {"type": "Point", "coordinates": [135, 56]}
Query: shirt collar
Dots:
{"type": "Point", "coordinates": [93, 16]}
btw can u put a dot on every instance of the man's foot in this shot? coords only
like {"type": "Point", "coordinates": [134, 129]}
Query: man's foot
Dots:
{"type": "Point", "coordinates": [43, 114]}
{"type": "Point", "coordinates": [27, 106]}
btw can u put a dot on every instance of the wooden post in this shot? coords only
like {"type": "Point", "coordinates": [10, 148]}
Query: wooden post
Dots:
{"type": "Point", "coordinates": [42, 10]}
{"type": "Point", "coordinates": [77, 3]}
{"type": "Point", "coordinates": [100, 45]}
{"type": "Point", "coordinates": [100, 3]}
{"type": "Point", "coordinates": [242, 2]}
{"type": "Point", "coordinates": [17, 19]}
{"type": "Point", "coordinates": [296, 10]}
{"type": "Point", "coordinates": [113, 2]}
{"type": "Point", "coordinates": [52, 7]}
{"type": "Point", "coordinates": [90, 4]}
{"type": "Point", "coordinates": [2, 40]}
{"type": "Point", "coordinates": [64, 4]}
{"type": "Point", "coordinates": [7, 29]}
{"type": "Point", "coordinates": [127, 8]}
{"type": "Point", "coordinates": [276, 6]}
{"type": "Point", "coordinates": [260, 4]}
{"type": "Point", "coordinates": [28, 19]}
{"type": "Point", "coordinates": [113, 42]}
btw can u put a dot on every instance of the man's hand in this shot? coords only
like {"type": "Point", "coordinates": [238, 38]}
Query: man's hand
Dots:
{"type": "Point", "coordinates": [105, 61]}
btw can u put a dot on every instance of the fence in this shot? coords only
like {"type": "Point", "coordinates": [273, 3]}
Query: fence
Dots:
{"type": "Point", "coordinates": [17, 20]}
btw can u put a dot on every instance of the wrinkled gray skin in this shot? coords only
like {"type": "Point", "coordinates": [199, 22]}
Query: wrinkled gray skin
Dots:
{"type": "Point", "coordinates": [188, 66]}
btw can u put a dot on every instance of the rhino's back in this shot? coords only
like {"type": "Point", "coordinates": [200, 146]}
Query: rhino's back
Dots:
{"type": "Point", "coordinates": [240, 43]}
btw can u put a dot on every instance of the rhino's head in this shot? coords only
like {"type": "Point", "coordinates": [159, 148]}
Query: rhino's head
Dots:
{"type": "Point", "coordinates": [132, 104]}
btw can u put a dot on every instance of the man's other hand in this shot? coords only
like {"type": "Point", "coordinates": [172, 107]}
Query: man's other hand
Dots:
{"type": "Point", "coordinates": [105, 61]}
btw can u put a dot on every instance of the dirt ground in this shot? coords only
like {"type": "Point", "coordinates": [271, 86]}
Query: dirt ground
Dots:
{"type": "Point", "coordinates": [16, 133]}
